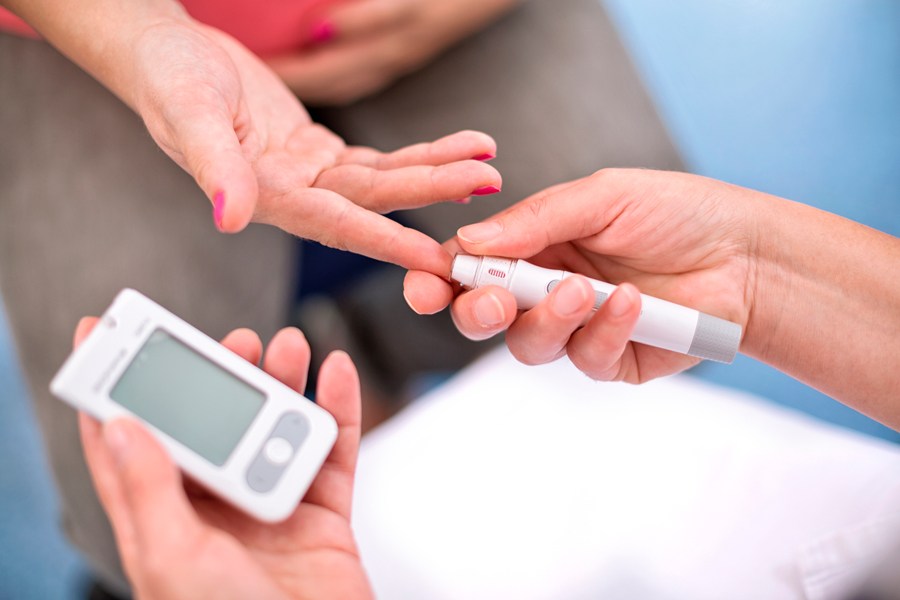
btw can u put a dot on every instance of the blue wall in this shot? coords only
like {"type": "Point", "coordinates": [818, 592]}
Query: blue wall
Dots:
{"type": "Point", "coordinates": [798, 98]}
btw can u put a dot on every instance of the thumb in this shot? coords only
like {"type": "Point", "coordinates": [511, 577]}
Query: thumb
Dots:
{"type": "Point", "coordinates": [562, 213]}
{"type": "Point", "coordinates": [214, 157]}
{"type": "Point", "coordinates": [156, 506]}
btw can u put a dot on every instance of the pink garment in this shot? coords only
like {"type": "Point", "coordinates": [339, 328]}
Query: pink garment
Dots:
{"type": "Point", "coordinates": [267, 28]}
{"type": "Point", "coordinates": [10, 23]}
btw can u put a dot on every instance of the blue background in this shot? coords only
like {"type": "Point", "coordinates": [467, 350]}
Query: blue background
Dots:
{"type": "Point", "coordinates": [799, 98]}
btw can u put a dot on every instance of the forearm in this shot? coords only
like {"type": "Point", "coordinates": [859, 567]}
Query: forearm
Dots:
{"type": "Point", "coordinates": [827, 306]}
{"type": "Point", "coordinates": [98, 35]}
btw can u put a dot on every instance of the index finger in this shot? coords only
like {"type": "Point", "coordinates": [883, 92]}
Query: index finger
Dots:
{"type": "Point", "coordinates": [338, 392]}
{"type": "Point", "coordinates": [334, 221]}
{"type": "Point", "coordinates": [109, 489]}
{"type": "Point", "coordinates": [427, 293]}
{"type": "Point", "coordinates": [562, 213]}
{"type": "Point", "coordinates": [457, 146]}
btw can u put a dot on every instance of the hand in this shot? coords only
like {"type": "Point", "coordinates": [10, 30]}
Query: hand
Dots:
{"type": "Point", "coordinates": [183, 543]}
{"type": "Point", "coordinates": [229, 121]}
{"type": "Point", "coordinates": [365, 45]}
{"type": "Point", "coordinates": [679, 237]}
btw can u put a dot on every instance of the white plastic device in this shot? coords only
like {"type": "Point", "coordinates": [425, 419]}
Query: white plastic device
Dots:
{"type": "Point", "coordinates": [230, 426]}
{"type": "Point", "coordinates": [662, 324]}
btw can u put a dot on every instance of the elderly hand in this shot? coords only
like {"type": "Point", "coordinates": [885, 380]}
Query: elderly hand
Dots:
{"type": "Point", "coordinates": [361, 46]}
{"type": "Point", "coordinates": [179, 543]}
{"type": "Point", "coordinates": [679, 237]}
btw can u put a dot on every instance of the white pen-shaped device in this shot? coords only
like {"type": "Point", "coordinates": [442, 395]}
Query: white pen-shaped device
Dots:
{"type": "Point", "coordinates": [662, 324]}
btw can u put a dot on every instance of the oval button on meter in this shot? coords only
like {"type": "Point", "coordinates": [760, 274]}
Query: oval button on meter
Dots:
{"type": "Point", "coordinates": [278, 451]}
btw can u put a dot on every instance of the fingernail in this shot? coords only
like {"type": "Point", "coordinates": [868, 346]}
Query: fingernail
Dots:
{"type": "Point", "coordinates": [323, 31]}
{"type": "Point", "coordinates": [569, 297]}
{"type": "Point", "coordinates": [486, 190]}
{"type": "Point", "coordinates": [478, 233]}
{"type": "Point", "coordinates": [484, 157]}
{"type": "Point", "coordinates": [463, 201]}
{"type": "Point", "coordinates": [219, 209]}
{"type": "Point", "coordinates": [620, 302]}
{"type": "Point", "coordinates": [115, 434]}
{"type": "Point", "coordinates": [410, 304]}
{"type": "Point", "coordinates": [488, 311]}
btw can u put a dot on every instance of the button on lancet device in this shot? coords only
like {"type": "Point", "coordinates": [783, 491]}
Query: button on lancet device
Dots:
{"type": "Point", "coordinates": [662, 324]}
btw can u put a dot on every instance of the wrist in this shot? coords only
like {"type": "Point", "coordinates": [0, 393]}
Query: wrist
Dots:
{"type": "Point", "coordinates": [124, 61]}
{"type": "Point", "coordinates": [825, 308]}
{"type": "Point", "coordinates": [771, 276]}
{"type": "Point", "coordinates": [99, 35]}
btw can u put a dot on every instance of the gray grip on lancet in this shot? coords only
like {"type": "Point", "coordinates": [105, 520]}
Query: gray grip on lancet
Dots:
{"type": "Point", "coordinates": [715, 339]}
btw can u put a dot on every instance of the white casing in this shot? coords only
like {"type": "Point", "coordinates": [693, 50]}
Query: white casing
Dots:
{"type": "Point", "coordinates": [89, 374]}
{"type": "Point", "coordinates": [661, 323]}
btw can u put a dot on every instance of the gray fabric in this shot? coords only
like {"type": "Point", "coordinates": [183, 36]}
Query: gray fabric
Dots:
{"type": "Point", "coordinates": [88, 205]}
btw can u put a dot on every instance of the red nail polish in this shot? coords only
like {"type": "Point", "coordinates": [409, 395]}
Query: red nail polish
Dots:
{"type": "Point", "coordinates": [323, 31]}
{"type": "Point", "coordinates": [484, 157]}
{"type": "Point", "coordinates": [219, 209]}
{"type": "Point", "coordinates": [485, 190]}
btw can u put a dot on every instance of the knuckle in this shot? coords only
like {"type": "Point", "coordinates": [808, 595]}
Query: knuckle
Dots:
{"type": "Point", "coordinates": [593, 364]}
{"type": "Point", "coordinates": [536, 209]}
{"type": "Point", "coordinates": [613, 180]}
{"type": "Point", "coordinates": [524, 355]}
{"type": "Point", "coordinates": [527, 352]}
{"type": "Point", "coordinates": [533, 219]}
{"type": "Point", "coordinates": [606, 174]}
{"type": "Point", "coordinates": [156, 566]}
{"type": "Point", "coordinates": [539, 337]}
{"type": "Point", "coordinates": [201, 168]}
{"type": "Point", "coordinates": [137, 486]}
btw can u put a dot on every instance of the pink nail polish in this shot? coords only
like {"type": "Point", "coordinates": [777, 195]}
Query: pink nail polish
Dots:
{"type": "Point", "coordinates": [323, 31]}
{"type": "Point", "coordinates": [484, 157]}
{"type": "Point", "coordinates": [485, 190]}
{"type": "Point", "coordinates": [219, 209]}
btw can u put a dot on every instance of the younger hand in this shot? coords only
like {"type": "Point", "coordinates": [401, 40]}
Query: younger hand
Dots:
{"type": "Point", "coordinates": [228, 120]}
{"type": "Point", "coordinates": [179, 543]}
{"type": "Point", "coordinates": [679, 237]}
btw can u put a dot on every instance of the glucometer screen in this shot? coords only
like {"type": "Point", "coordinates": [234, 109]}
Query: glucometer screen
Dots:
{"type": "Point", "coordinates": [188, 397]}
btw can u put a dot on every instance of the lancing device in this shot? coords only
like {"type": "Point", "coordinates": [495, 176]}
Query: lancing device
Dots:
{"type": "Point", "coordinates": [661, 324]}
